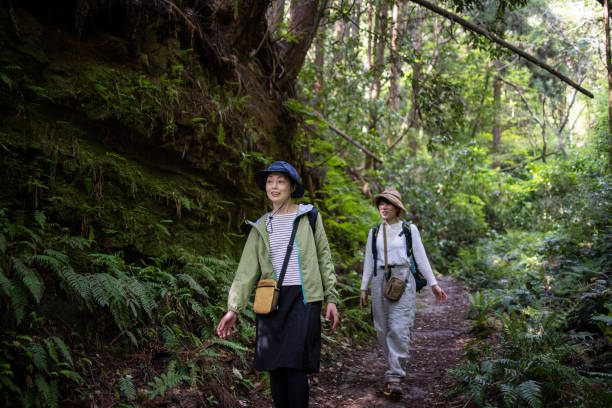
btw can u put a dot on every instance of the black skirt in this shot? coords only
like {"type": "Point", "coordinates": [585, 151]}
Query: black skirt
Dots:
{"type": "Point", "coordinates": [291, 336]}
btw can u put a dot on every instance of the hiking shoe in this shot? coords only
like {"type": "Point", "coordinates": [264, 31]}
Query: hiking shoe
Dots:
{"type": "Point", "coordinates": [393, 390]}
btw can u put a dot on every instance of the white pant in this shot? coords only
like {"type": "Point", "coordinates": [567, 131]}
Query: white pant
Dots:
{"type": "Point", "coordinates": [393, 321]}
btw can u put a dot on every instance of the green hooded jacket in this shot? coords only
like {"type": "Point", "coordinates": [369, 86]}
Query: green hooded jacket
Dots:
{"type": "Point", "coordinates": [314, 259]}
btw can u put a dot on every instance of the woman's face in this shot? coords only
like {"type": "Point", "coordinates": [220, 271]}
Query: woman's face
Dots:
{"type": "Point", "coordinates": [387, 210]}
{"type": "Point", "coordinates": [278, 188]}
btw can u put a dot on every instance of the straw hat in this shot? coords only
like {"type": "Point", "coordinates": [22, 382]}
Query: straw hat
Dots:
{"type": "Point", "coordinates": [394, 197]}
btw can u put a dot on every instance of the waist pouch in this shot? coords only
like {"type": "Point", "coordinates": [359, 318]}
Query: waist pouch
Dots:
{"type": "Point", "coordinates": [266, 297]}
{"type": "Point", "coordinates": [394, 288]}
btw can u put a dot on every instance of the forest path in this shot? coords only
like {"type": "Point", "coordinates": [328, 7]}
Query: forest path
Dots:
{"type": "Point", "coordinates": [355, 378]}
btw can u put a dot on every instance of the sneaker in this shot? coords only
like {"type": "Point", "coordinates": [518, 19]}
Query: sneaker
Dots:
{"type": "Point", "coordinates": [393, 390]}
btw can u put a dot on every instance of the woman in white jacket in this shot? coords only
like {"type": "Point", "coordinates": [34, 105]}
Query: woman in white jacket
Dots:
{"type": "Point", "coordinates": [393, 320]}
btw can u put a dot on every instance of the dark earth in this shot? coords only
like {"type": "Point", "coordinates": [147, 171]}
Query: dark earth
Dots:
{"type": "Point", "coordinates": [354, 376]}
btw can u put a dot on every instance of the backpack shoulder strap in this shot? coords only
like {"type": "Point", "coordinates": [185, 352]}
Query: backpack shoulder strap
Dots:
{"type": "Point", "coordinates": [406, 230]}
{"type": "Point", "coordinates": [375, 230]}
{"type": "Point", "coordinates": [312, 219]}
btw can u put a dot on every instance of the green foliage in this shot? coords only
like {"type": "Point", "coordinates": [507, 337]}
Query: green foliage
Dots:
{"type": "Point", "coordinates": [127, 387]}
{"type": "Point", "coordinates": [166, 381]}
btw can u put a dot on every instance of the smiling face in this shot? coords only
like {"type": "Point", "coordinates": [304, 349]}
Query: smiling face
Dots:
{"type": "Point", "coordinates": [388, 211]}
{"type": "Point", "coordinates": [278, 188]}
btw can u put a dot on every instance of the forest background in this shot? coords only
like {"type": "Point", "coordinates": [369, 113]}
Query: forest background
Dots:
{"type": "Point", "coordinates": [130, 131]}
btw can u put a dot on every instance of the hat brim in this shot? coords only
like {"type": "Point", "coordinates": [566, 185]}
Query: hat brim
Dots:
{"type": "Point", "coordinates": [261, 177]}
{"type": "Point", "coordinates": [392, 199]}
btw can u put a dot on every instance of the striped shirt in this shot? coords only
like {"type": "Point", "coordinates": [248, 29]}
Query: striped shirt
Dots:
{"type": "Point", "coordinates": [279, 227]}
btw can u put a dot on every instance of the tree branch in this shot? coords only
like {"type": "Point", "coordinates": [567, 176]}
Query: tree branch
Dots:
{"type": "Point", "coordinates": [494, 38]}
{"type": "Point", "coordinates": [347, 137]}
{"type": "Point", "coordinates": [530, 161]}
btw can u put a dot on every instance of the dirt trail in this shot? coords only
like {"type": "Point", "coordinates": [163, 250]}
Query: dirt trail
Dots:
{"type": "Point", "coordinates": [355, 377]}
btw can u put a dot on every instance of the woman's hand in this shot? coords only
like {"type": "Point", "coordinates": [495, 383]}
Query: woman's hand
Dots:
{"type": "Point", "coordinates": [224, 329]}
{"type": "Point", "coordinates": [363, 300]}
{"type": "Point", "coordinates": [439, 293]}
{"type": "Point", "coordinates": [332, 313]}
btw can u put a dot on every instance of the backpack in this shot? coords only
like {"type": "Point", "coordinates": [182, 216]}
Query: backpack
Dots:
{"type": "Point", "coordinates": [414, 269]}
{"type": "Point", "coordinates": [312, 219]}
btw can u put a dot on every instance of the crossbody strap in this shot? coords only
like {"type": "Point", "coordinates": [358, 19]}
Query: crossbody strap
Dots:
{"type": "Point", "coordinates": [296, 221]}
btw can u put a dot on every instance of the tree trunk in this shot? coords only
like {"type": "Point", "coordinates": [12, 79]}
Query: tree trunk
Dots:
{"type": "Point", "coordinates": [275, 15]}
{"type": "Point", "coordinates": [378, 49]}
{"type": "Point", "coordinates": [304, 18]}
{"type": "Point", "coordinates": [609, 69]}
{"type": "Point", "coordinates": [319, 64]}
{"type": "Point", "coordinates": [497, 129]}
{"type": "Point", "coordinates": [543, 126]}
{"type": "Point", "coordinates": [396, 62]}
{"type": "Point", "coordinates": [417, 67]}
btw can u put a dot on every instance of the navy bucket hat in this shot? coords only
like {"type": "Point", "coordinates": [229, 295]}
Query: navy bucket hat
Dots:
{"type": "Point", "coordinates": [280, 167]}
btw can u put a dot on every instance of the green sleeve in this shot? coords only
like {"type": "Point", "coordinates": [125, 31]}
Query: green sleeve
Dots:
{"type": "Point", "coordinates": [326, 266]}
{"type": "Point", "coordinates": [246, 275]}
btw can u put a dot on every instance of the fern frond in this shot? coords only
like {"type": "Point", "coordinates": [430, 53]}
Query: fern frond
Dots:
{"type": "Point", "coordinates": [142, 295]}
{"type": "Point", "coordinates": [40, 218]}
{"type": "Point", "coordinates": [29, 278]}
{"type": "Point", "coordinates": [99, 283]}
{"type": "Point", "coordinates": [38, 355]}
{"type": "Point", "coordinates": [164, 382]}
{"type": "Point", "coordinates": [170, 338]}
{"type": "Point", "coordinates": [63, 349]}
{"type": "Point", "coordinates": [2, 243]}
{"type": "Point", "coordinates": [47, 262]}
{"type": "Point", "coordinates": [511, 395]}
{"type": "Point", "coordinates": [79, 242]}
{"type": "Point", "coordinates": [195, 286]}
{"type": "Point", "coordinates": [5, 284]}
{"type": "Point", "coordinates": [112, 262]}
{"type": "Point", "coordinates": [48, 390]}
{"type": "Point", "coordinates": [229, 343]}
{"type": "Point", "coordinates": [80, 284]}
{"type": "Point", "coordinates": [131, 337]}
{"type": "Point", "coordinates": [19, 301]}
{"type": "Point", "coordinates": [532, 393]}
{"type": "Point", "coordinates": [198, 309]}
{"type": "Point", "coordinates": [51, 351]}
{"type": "Point", "coordinates": [127, 387]}
{"type": "Point", "coordinates": [72, 375]}
{"type": "Point", "coordinates": [60, 256]}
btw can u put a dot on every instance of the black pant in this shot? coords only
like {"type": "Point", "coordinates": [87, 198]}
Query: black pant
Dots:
{"type": "Point", "coordinates": [289, 387]}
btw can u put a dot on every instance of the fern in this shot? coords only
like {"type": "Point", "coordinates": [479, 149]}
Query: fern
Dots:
{"type": "Point", "coordinates": [170, 338]}
{"type": "Point", "coordinates": [165, 381]}
{"type": "Point", "coordinates": [49, 391]}
{"type": "Point", "coordinates": [127, 387]}
{"type": "Point", "coordinates": [30, 279]}
{"type": "Point", "coordinates": [51, 351]}
{"type": "Point", "coordinates": [63, 349]}
{"type": "Point", "coordinates": [38, 355]}
{"type": "Point", "coordinates": [532, 393]}
{"type": "Point", "coordinates": [59, 256]}
{"type": "Point", "coordinates": [78, 283]}
{"type": "Point", "coordinates": [19, 301]}
{"type": "Point", "coordinates": [192, 284]}
{"type": "Point", "coordinates": [41, 219]}
{"type": "Point", "coordinates": [229, 343]}
{"type": "Point", "coordinates": [6, 285]}
{"type": "Point", "coordinates": [3, 243]}
{"type": "Point", "coordinates": [99, 284]}
{"type": "Point", "coordinates": [132, 338]}
{"type": "Point", "coordinates": [48, 262]}
{"type": "Point", "coordinates": [142, 294]}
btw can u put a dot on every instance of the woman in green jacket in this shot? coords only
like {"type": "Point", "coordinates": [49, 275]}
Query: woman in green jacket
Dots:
{"type": "Point", "coordinates": [288, 341]}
